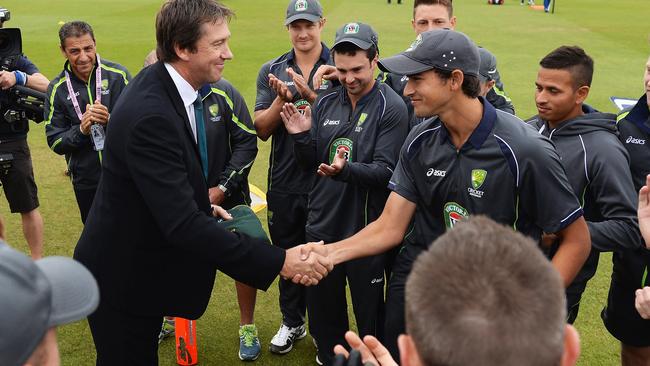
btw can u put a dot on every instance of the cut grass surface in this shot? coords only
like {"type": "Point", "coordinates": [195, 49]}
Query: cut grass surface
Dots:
{"type": "Point", "coordinates": [614, 34]}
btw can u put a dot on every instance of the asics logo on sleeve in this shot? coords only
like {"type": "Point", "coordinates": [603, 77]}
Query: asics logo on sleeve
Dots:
{"type": "Point", "coordinates": [634, 140]}
{"type": "Point", "coordinates": [436, 172]}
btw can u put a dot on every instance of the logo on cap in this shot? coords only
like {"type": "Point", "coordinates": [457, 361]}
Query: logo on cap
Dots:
{"type": "Point", "coordinates": [351, 28]}
{"type": "Point", "coordinates": [301, 5]}
{"type": "Point", "coordinates": [415, 44]}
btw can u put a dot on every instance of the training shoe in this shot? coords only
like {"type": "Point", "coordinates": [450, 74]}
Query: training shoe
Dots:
{"type": "Point", "coordinates": [167, 329]}
{"type": "Point", "coordinates": [283, 340]}
{"type": "Point", "coordinates": [249, 344]}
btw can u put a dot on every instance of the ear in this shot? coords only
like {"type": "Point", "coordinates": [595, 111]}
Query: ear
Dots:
{"type": "Point", "coordinates": [413, 23]}
{"type": "Point", "coordinates": [408, 353]}
{"type": "Point", "coordinates": [456, 80]}
{"type": "Point", "coordinates": [182, 53]}
{"type": "Point", "coordinates": [63, 51]}
{"type": "Point", "coordinates": [453, 22]}
{"type": "Point", "coordinates": [322, 22]}
{"type": "Point", "coordinates": [571, 346]}
{"type": "Point", "coordinates": [490, 84]}
{"type": "Point", "coordinates": [582, 93]}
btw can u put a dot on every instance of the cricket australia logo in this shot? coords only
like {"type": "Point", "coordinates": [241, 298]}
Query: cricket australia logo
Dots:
{"type": "Point", "coordinates": [214, 111]}
{"type": "Point", "coordinates": [344, 144]}
{"type": "Point", "coordinates": [301, 5]}
{"type": "Point", "coordinates": [478, 178]}
{"type": "Point", "coordinates": [105, 90]}
{"type": "Point", "coordinates": [301, 105]}
{"type": "Point", "coordinates": [453, 213]}
{"type": "Point", "coordinates": [351, 28]}
{"type": "Point", "coordinates": [362, 119]}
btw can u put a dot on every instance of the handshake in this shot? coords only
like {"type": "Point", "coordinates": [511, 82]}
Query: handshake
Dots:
{"type": "Point", "coordinates": [307, 264]}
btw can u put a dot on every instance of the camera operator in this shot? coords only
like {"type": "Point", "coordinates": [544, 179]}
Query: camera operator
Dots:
{"type": "Point", "coordinates": [18, 178]}
{"type": "Point", "coordinates": [77, 109]}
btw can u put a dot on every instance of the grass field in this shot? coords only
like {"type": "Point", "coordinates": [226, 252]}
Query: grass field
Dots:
{"type": "Point", "coordinates": [615, 34]}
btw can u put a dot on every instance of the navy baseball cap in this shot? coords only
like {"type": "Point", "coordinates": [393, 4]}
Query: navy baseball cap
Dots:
{"type": "Point", "coordinates": [360, 34]}
{"type": "Point", "coordinates": [38, 295]}
{"type": "Point", "coordinates": [310, 10]}
{"type": "Point", "coordinates": [443, 49]}
{"type": "Point", "coordinates": [488, 69]}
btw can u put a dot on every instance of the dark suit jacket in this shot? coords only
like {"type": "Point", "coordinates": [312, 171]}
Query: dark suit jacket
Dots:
{"type": "Point", "coordinates": [149, 239]}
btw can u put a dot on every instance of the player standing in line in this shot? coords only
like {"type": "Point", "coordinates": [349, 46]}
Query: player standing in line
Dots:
{"type": "Point", "coordinates": [471, 159]}
{"type": "Point", "coordinates": [594, 160]}
{"type": "Point", "coordinates": [352, 140]}
{"type": "Point", "coordinates": [631, 266]}
{"type": "Point", "coordinates": [287, 78]}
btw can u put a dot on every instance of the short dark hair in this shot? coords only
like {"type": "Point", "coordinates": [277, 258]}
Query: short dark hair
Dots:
{"type": "Point", "coordinates": [446, 3]}
{"type": "Point", "coordinates": [349, 48]}
{"type": "Point", "coordinates": [179, 23]}
{"type": "Point", "coordinates": [574, 60]}
{"type": "Point", "coordinates": [76, 28]}
{"type": "Point", "coordinates": [483, 291]}
{"type": "Point", "coordinates": [471, 85]}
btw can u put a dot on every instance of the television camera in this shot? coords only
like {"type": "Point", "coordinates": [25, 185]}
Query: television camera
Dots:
{"type": "Point", "coordinates": [19, 104]}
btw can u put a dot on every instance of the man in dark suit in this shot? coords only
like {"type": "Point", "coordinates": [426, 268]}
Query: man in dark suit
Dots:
{"type": "Point", "coordinates": [152, 203]}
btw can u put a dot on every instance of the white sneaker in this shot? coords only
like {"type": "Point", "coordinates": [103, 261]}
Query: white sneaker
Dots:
{"type": "Point", "coordinates": [284, 339]}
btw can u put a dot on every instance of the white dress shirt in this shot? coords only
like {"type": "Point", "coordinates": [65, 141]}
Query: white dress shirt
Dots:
{"type": "Point", "coordinates": [188, 95]}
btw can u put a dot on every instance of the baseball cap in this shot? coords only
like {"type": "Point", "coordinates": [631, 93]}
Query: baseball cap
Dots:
{"type": "Point", "coordinates": [443, 49]}
{"type": "Point", "coordinates": [310, 10]}
{"type": "Point", "coordinates": [244, 220]}
{"type": "Point", "coordinates": [360, 34]}
{"type": "Point", "coordinates": [488, 68]}
{"type": "Point", "coordinates": [38, 295]}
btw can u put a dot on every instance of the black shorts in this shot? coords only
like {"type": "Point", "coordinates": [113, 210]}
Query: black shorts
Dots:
{"type": "Point", "coordinates": [18, 181]}
{"type": "Point", "coordinates": [622, 319]}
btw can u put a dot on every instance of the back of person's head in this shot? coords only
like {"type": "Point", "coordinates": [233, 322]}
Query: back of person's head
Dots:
{"type": "Point", "coordinates": [36, 296]}
{"type": "Point", "coordinates": [574, 60]}
{"type": "Point", "coordinates": [484, 294]}
{"type": "Point", "coordinates": [75, 29]}
{"type": "Point", "coordinates": [446, 3]}
{"type": "Point", "coordinates": [179, 23]}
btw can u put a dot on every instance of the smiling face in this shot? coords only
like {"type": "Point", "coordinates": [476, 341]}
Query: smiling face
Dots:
{"type": "Point", "coordinates": [429, 17]}
{"type": "Point", "coordinates": [556, 96]}
{"type": "Point", "coordinates": [305, 35]}
{"type": "Point", "coordinates": [428, 92]}
{"type": "Point", "coordinates": [206, 63]}
{"type": "Point", "coordinates": [355, 72]}
{"type": "Point", "coordinates": [81, 54]}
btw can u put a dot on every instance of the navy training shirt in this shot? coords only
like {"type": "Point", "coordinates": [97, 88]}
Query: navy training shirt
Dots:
{"type": "Point", "coordinates": [284, 174]}
{"type": "Point", "coordinates": [505, 170]}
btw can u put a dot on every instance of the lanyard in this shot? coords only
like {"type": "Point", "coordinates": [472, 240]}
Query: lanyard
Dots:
{"type": "Point", "coordinates": [98, 89]}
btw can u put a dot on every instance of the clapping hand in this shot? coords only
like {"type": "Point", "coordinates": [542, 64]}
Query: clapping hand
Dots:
{"type": "Point", "coordinates": [370, 352]}
{"type": "Point", "coordinates": [294, 121]}
{"type": "Point", "coordinates": [301, 85]}
{"type": "Point", "coordinates": [644, 211]}
{"type": "Point", "coordinates": [325, 170]}
{"type": "Point", "coordinates": [280, 88]}
{"type": "Point", "coordinates": [307, 269]}
{"type": "Point", "coordinates": [324, 72]}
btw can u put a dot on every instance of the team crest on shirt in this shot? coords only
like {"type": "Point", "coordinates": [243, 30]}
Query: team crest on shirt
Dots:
{"type": "Point", "coordinates": [214, 113]}
{"type": "Point", "coordinates": [362, 119]}
{"type": "Point", "coordinates": [301, 5]}
{"type": "Point", "coordinates": [351, 28]}
{"type": "Point", "coordinates": [301, 105]}
{"type": "Point", "coordinates": [454, 213]}
{"type": "Point", "coordinates": [478, 178]}
{"type": "Point", "coordinates": [344, 144]}
{"type": "Point", "coordinates": [324, 84]}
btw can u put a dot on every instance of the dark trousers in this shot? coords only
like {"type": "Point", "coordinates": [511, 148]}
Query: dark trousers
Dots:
{"type": "Point", "coordinates": [328, 309]}
{"type": "Point", "coordinates": [287, 217]}
{"type": "Point", "coordinates": [85, 199]}
{"type": "Point", "coordinates": [124, 339]}
{"type": "Point", "coordinates": [395, 318]}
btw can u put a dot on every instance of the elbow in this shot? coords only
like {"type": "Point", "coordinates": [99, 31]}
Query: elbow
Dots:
{"type": "Point", "coordinates": [262, 133]}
